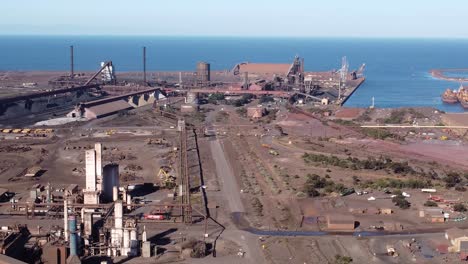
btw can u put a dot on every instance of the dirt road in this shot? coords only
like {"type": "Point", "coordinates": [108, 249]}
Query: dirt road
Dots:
{"type": "Point", "coordinates": [226, 177]}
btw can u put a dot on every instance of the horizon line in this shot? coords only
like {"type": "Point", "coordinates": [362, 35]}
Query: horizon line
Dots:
{"type": "Point", "coordinates": [233, 36]}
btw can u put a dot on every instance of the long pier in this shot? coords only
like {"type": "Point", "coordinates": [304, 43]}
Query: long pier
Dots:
{"type": "Point", "coordinates": [350, 92]}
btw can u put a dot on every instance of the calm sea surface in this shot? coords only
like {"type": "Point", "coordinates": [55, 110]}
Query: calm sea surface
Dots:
{"type": "Point", "coordinates": [397, 69]}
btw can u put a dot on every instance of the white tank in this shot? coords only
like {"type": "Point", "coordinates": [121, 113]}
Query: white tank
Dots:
{"type": "Point", "coordinates": [143, 236]}
{"type": "Point", "coordinates": [115, 193]}
{"type": "Point", "coordinates": [129, 201]}
{"type": "Point", "coordinates": [126, 238]}
{"type": "Point", "coordinates": [133, 234]}
{"type": "Point", "coordinates": [118, 213]}
{"type": "Point", "coordinates": [115, 238]}
{"type": "Point", "coordinates": [126, 242]}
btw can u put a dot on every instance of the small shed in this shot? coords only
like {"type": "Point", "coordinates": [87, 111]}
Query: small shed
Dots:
{"type": "Point", "coordinates": [255, 112]}
{"type": "Point", "coordinates": [33, 171]}
{"type": "Point", "coordinates": [341, 222]}
{"type": "Point", "coordinates": [437, 219]}
{"type": "Point", "coordinates": [386, 211]}
{"type": "Point", "coordinates": [358, 210]}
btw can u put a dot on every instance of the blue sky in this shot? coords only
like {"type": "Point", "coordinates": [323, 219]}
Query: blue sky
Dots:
{"type": "Point", "coordinates": [304, 18]}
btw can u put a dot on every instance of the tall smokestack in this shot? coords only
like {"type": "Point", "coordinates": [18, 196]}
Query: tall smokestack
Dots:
{"type": "Point", "coordinates": [144, 65]}
{"type": "Point", "coordinates": [73, 238]}
{"type": "Point", "coordinates": [72, 70]}
{"type": "Point", "coordinates": [246, 81]}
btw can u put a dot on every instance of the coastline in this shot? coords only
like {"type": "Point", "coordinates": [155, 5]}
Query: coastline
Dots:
{"type": "Point", "coordinates": [439, 74]}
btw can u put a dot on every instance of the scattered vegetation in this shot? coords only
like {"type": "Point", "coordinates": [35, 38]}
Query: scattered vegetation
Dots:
{"type": "Point", "coordinates": [380, 133]}
{"type": "Point", "coordinates": [270, 116]}
{"type": "Point", "coordinates": [401, 202]}
{"type": "Point", "coordinates": [416, 114]}
{"type": "Point", "coordinates": [382, 163]}
{"type": "Point", "coordinates": [242, 111]}
{"type": "Point", "coordinates": [245, 99]}
{"type": "Point", "coordinates": [396, 117]}
{"type": "Point", "coordinates": [315, 182]}
{"type": "Point", "coordinates": [452, 179]}
{"type": "Point", "coordinates": [430, 204]}
{"type": "Point", "coordinates": [459, 207]}
{"type": "Point", "coordinates": [257, 206]}
{"type": "Point", "coordinates": [365, 117]}
{"type": "Point", "coordinates": [397, 184]}
{"type": "Point", "coordinates": [316, 110]}
{"type": "Point", "coordinates": [214, 98]}
{"type": "Point", "coordinates": [345, 122]}
{"type": "Point", "coordinates": [266, 99]}
{"type": "Point", "coordinates": [342, 259]}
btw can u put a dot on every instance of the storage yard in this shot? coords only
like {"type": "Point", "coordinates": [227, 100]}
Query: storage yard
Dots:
{"type": "Point", "coordinates": [256, 164]}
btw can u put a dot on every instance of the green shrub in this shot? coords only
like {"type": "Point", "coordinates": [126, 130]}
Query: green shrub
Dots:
{"type": "Point", "coordinates": [430, 204]}
{"type": "Point", "coordinates": [459, 207]}
{"type": "Point", "coordinates": [401, 202]}
{"type": "Point", "coordinates": [342, 259]}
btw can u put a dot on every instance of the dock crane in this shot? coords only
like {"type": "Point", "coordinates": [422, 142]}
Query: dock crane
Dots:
{"type": "Point", "coordinates": [343, 75]}
{"type": "Point", "coordinates": [360, 72]}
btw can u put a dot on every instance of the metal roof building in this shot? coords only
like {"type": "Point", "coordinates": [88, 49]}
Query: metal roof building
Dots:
{"type": "Point", "coordinates": [341, 222]}
{"type": "Point", "coordinates": [106, 109]}
{"type": "Point", "coordinates": [265, 68]}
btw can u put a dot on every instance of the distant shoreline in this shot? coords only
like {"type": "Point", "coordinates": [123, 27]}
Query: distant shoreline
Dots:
{"type": "Point", "coordinates": [439, 74]}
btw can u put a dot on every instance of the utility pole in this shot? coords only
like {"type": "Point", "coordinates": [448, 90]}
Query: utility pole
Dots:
{"type": "Point", "coordinates": [144, 65]}
{"type": "Point", "coordinates": [72, 70]}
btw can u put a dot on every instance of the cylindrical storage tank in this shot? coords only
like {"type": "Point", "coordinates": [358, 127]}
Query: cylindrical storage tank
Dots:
{"type": "Point", "coordinates": [134, 248]}
{"type": "Point", "coordinates": [115, 193]}
{"type": "Point", "coordinates": [133, 234]}
{"type": "Point", "coordinates": [129, 201]}
{"type": "Point", "coordinates": [143, 236]}
{"type": "Point", "coordinates": [110, 179]}
{"type": "Point", "coordinates": [73, 238]}
{"type": "Point", "coordinates": [118, 212]}
{"type": "Point", "coordinates": [126, 242]}
{"type": "Point", "coordinates": [126, 238]}
{"type": "Point", "coordinates": [203, 72]}
{"type": "Point", "coordinates": [192, 98]}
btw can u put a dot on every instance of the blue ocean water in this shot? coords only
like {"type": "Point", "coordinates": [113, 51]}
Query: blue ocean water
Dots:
{"type": "Point", "coordinates": [397, 69]}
